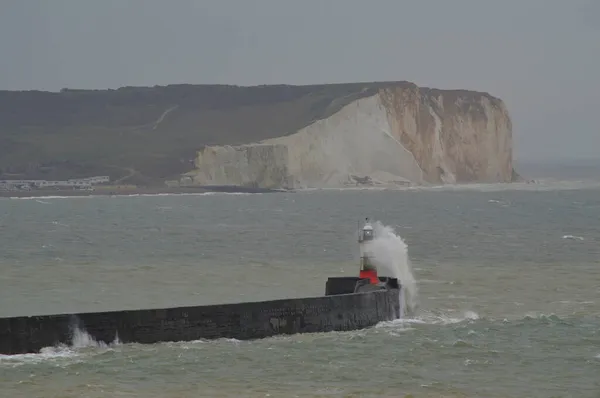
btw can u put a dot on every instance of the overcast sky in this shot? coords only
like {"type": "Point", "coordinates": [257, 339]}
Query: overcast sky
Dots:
{"type": "Point", "coordinates": [542, 57]}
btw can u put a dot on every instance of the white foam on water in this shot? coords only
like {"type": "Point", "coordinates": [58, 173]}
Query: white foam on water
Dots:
{"type": "Point", "coordinates": [391, 259]}
{"type": "Point", "coordinates": [443, 318]}
{"type": "Point", "coordinates": [430, 318]}
{"type": "Point", "coordinates": [573, 237]}
{"type": "Point", "coordinates": [80, 341]}
{"type": "Point", "coordinates": [133, 195]}
{"type": "Point", "coordinates": [37, 198]}
{"type": "Point", "coordinates": [48, 353]}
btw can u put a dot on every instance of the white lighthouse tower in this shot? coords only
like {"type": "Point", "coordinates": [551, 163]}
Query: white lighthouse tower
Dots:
{"type": "Point", "coordinates": [365, 240]}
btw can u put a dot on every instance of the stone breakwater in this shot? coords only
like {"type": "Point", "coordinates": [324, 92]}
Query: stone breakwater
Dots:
{"type": "Point", "coordinates": [339, 310]}
{"type": "Point", "coordinates": [396, 135]}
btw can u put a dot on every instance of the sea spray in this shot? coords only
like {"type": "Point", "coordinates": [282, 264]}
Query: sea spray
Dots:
{"type": "Point", "coordinates": [390, 254]}
{"type": "Point", "coordinates": [80, 338]}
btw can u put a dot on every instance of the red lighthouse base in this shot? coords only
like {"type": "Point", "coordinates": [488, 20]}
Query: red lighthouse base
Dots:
{"type": "Point", "coordinates": [371, 275]}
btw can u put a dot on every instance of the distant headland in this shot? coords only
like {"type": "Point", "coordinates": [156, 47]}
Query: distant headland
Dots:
{"type": "Point", "coordinates": [195, 137]}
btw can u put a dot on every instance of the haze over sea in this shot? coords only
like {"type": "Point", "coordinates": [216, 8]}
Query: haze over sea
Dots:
{"type": "Point", "coordinates": [508, 289]}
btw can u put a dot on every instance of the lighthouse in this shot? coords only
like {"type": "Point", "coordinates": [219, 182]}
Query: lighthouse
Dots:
{"type": "Point", "coordinates": [365, 241]}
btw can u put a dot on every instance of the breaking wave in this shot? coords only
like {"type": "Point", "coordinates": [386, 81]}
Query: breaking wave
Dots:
{"type": "Point", "coordinates": [81, 342]}
{"type": "Point", "coordinates": [391, 256]}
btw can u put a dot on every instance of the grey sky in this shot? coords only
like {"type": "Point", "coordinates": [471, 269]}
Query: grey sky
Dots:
{"type": "Point", "coordinates": [542, 57]}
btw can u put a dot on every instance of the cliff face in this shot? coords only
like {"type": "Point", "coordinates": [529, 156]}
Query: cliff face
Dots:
{"type": "Point", "coordinates": [456, 136]}
{"type": "Point", "coordinates": [397, 134]}
{"type": "Point", "coordinates": [327, 135]}
{"type": "Point", "coordinates": [260, 166]}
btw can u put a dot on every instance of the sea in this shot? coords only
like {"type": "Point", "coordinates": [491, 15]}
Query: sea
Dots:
{"type": "Point", "coordinates": [506, 293]}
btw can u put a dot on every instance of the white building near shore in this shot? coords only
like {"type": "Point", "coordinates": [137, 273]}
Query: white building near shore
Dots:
{"type": "Point", "coordinates": [74, 183]}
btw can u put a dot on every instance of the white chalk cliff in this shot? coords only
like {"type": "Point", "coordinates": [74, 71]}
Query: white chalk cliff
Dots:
{"type": "Point", "coordinates": [394, 135]}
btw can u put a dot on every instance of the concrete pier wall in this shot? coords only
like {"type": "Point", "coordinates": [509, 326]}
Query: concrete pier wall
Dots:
{"type": "Point", "coordinates": [240, 321]}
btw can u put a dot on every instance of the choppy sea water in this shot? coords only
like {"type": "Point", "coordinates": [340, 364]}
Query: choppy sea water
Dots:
{"type": "Point", "coordinates": [508, 290]}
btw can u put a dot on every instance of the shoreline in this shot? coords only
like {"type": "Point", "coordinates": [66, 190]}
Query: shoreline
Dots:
{"type": "Point", "coordinates": [155, 191]}
{"type": "Point", "coordinates": [40, 193]}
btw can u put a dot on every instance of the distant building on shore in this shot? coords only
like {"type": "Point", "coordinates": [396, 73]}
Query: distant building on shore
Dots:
{"type": "Point", "coordinates": [74, 183]}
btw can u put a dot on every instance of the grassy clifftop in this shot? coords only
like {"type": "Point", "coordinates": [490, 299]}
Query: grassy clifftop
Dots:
{"type": "Point", "coordinates": [145, 135]}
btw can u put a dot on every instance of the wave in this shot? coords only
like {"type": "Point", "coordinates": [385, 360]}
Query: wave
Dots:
{"type": "Point", "coordinates": [80, 344]}
{"type": "Point", "coordinates": [468, 317]}
{"type": "Point", "coordinates": [37, 198]}
{"type": "Point", "coordinates": [187, 345]}
{"type": "Point", "coordinates": [544, 318]}
{"type": "Point", "coordinates": [573, 237]}
{"type": "Point", "coordinates": [45, 354]}
{"type": "Point", "coordinates": [188, 194]}
{"type": "Point", "coordinates": [539, 185]}
{"type": "Point", "coordinates": [432, 318]}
